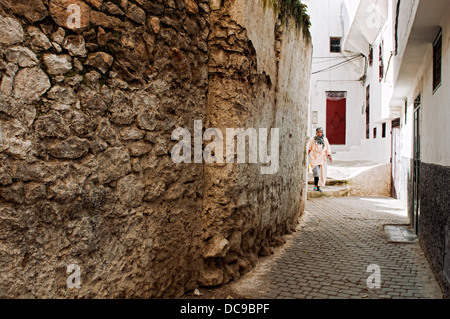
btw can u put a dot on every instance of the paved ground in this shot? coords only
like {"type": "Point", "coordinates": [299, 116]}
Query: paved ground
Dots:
{"type": "Point", "coordinates": [329, 256]}
{"type": "Point", "coordinates": [345, 169]}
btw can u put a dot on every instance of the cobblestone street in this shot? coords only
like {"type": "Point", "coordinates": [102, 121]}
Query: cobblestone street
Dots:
{"type": "Point", "coordinates": [329, 255]}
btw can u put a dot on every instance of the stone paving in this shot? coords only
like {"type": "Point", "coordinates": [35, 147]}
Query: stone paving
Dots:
{"type": "Point", "coordinates": [329, 256]}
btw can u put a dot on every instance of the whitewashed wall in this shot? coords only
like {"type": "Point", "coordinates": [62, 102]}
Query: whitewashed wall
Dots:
{"type": "Point", "coordinates": [328, 19]}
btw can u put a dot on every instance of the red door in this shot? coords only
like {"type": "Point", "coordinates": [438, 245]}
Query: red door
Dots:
{"type": "Point", "coordinates": [336, 117]}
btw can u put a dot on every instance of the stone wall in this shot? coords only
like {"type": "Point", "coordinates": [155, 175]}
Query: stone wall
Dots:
{"type": "Point", "coordinates": [255, 64]}
{"type": "Point", "coordinates": [86, 117]}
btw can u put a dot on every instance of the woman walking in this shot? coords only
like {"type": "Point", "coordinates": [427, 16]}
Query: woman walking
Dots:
{"type": "Point", "coordinates": [318, 150]}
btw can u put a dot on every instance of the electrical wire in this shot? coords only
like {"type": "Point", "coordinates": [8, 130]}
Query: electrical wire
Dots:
{"type": "Point", "coordinates": [332, 59]}
{"type": "Point", "coordinates": [339, 64]}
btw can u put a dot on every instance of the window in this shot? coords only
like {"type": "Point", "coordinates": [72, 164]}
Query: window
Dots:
{"type": "Point", "coordinates": [437, 61]}
{"type": "Point", "coordinates": [368, 112]}
{"type": "Point", "coordinates": [335, 45]}
{"type": "Point", "coordinates": [381, 61]}
{"type": "Point", "coordinates": [397, 14]}
{"type": "Point", "coordinates": [406, 110]}
{"type": "Point", "coordinates": [417, 101]}
{"type": "Point", "coordinates": [383, 130]}
{"type": "Point", "coordinates": [370, 55]}
{"type": "Point", "coordinates": [396, 123]}
{"type": "Point", "coordinates": [374, 132]}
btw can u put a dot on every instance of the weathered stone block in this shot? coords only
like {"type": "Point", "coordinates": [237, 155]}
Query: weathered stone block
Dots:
{"type": "Point", "coordinates": [38, 40]}
{"type": "Point", "coordinates": [18, 147]}
{"type": "Point", "coordinates": [95, 3]}
{"type": "Point", "coordinates": [13, 193]}
{"type": "Point", "coordinates": [191, 6]}
{"type": "Point", "coordinates": [76, 17]}
{"type": "Point", "coordinates": [131, 133]}
{"type": "Point", "coordinates": [100, 60]}
{"type": "Point", "coordinates": [76, 45]}
{"type": "Point", "coordinates": [154, 24]}
{"type": "Point", "coordinates": [113, 9]}
{"type": "Point", "coordinates": [33, 10]}
{"type": "Point", "coordinates": [216, 247]}
{"type": "Point", "coordinates": [130, 190]}
{"type": "Point", "coordinates": [114, 163]}
{"type": "Point", "coordinates": [58, 36]}
{"type": "Point", "coordinates": [34, 192]}
{"type": "Point", "coordinates": [81, 124]}
{"type": "Point", "coordinates": [136, 14]}
{"type": "Point", "coordinates": [105, 21]}
{"type": "Point", "coordinates": [62, 94]}
{"type": "Point", "coordinates": [102, 37]}
{"type": "Point", "coordinates": [52, 125]}
{"type": "Point", "coordinates": [72, 148]}
{"type": "Point", "coordinates": [154, 190]}
{"type": "Point", "coordinates": [154, 8]}
{"type": "Point", "coordinates": [11, 32]}
{"type": "Point", "coordinates": [30, 83]}
{"type": "Point", "coordinates": [39, 172]}
{"type": "Point", "coordinates": [5, 177]}
{"type": "Point", "coordinates": [57, 64]}
{"type": "Point", "coordinates": [21, 56]}
{"type": "Point", "coordinates": [139, 148]}
{"type": "Point", "coordinates": [215, 4]}
{"type": "Point", "coordinates": [211, 277]}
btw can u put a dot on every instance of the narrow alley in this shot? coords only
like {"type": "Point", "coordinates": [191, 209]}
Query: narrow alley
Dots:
{"type": "Point", "coordinates": [214, 149]}
{"type": "Point", "coordinates": [339, 243]}
{"type": "Point", "coordinates": [328, 257]}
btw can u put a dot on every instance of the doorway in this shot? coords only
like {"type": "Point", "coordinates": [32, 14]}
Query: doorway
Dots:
{"type": "Point", "coordinates": [415, 214]}
{"type": "Point", "coordinates": [395, 159]}
{"type": "Point", "coordinates": [336, 117]}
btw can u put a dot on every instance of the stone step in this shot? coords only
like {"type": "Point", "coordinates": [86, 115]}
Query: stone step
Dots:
{"type": "Point", "coordinates": [333, 182]}
{"type": "Point", "coordinates": [355, 178]}
{"type": "Point", "coordinates": [328, 191]}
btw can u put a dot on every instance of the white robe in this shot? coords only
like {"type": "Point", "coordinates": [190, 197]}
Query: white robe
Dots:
{"type": "Point", "coordinates": [318, 156]}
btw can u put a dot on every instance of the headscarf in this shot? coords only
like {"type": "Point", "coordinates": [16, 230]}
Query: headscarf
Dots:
{"type": "Point", "coordinates": [319, 140]}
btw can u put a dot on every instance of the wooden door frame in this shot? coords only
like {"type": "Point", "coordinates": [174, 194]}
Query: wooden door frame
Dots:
{"type": "Point", "coordinates": [415, 205]}
{"type": "Point", "coordinates": [394, 167]}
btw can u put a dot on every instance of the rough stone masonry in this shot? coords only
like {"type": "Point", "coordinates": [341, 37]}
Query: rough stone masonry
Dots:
{"type": "Point", "coordinates": [86, 116]}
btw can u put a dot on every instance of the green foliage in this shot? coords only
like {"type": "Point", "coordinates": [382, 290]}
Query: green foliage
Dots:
{"type": "Point", "coordinates": [291, 10]}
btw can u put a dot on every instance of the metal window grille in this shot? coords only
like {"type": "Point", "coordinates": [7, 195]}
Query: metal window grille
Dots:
{"type": "Point", "coordinates": [396, 123]}
{"type": "Point", "coordinates": [381, 62]}
{"type": "Point", "coordinates": [335, 45]}
{"type": "Point", "coordinates": [368, 112]}
{"type": "Point", "coordinates": [437, 61]}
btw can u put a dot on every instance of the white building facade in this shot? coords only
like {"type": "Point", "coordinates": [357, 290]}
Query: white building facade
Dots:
{"type": "Point", "coordinates": [397, 96]}
{"type": "Point", "coordinates": [422, 90]}
{"type": "Point", "coordinates": [336, 85]}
